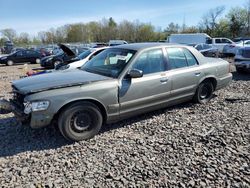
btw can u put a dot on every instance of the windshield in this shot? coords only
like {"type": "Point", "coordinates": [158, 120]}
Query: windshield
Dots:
{"type": "Point", "coordinates": [109, 62]}
{"type": "Point", "coordinates": [85, 54]}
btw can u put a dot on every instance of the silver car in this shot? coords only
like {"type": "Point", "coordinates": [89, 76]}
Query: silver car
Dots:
{"type": "Point", "coordinates": [118, 83]}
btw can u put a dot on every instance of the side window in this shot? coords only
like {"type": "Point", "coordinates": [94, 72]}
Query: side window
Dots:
{"type": "Point", "coordinates": [190, 58]}
{"type": "Point", "coordinates": [218, 41]}
{"type": "Point", "coordinates": [151, 61]}
{"type": "Point", "coordinates": [226, 41]}
{"type": "Point", "coordinates": [176, 58]}
{"type": "Point", "coordinates": [94, 54]}
{"type": "Point", "coordinates": [30, 52]}
{"type": "Point", "coordinates": [209, 41]}
{"type": "Point", "coordinates": [20, 53]}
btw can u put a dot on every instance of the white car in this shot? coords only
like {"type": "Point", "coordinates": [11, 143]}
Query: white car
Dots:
{"type": "Point", "coordinates": [85, 56]}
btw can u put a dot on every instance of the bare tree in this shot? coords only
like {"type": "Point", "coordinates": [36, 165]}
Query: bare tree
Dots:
{"type": "Point", "coordinates": [9, 33]}
{"type": "Point", "coordinates": [209, 21]}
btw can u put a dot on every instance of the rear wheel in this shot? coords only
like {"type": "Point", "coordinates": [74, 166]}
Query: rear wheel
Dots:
{"type": "Point", "coordinates": [80, 121]}
{"type": "Point", "coordinates": [10, 63]}
{"type": "Point", "coordinates": [204, 92]}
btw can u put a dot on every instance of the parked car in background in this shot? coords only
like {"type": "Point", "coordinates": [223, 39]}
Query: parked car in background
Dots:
{"type": "Point", "coordinates": [117, 42]}
{"type": "Point", "coordinates": [242, 59]}
{"type": "Point", "coordinates": [44, 51]}
{"type": "Point", "coordinates": [80, 59]}
{"type": "Point", "coordinates": [220, 43]}
{"type": "Point", "coordinates": [207, 50]}
{"type": "Point", "coordinates": [97, 44]}
{"type": "Point", "coordinates": [243, 43]}
{"type": "Point", "coordinates": [118, 83]}
{"type": "Point", "coordinates": [67, 55]}
{"type": "Point", "coordinates": [21, 56]}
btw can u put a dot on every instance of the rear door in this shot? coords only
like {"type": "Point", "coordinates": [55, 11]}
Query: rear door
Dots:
{"type": "Point", "coordinates": [185, 72]}
{"type": "Point", "coordinates": [148, 92]}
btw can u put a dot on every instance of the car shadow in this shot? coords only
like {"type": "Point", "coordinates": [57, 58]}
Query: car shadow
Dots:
{"type": "Point", "coordinates": [245, 76]}
{"type": "Point", "coordinates": [142, 117]}
{"type": "Point", "coordinates": [16, 138]}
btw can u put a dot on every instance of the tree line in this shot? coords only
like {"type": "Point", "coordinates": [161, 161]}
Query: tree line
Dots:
{"type": "Point", "coordinates": [215, 23]}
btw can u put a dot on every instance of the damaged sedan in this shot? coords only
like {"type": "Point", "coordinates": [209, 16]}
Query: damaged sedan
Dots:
{"type": "Point", "coordinates": [118, 83]}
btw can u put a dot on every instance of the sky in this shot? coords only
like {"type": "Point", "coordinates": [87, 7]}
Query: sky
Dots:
{"type": "Point", "coordinates": [32, 16]}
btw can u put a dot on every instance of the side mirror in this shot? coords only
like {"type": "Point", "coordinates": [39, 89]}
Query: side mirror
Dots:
{"type": "Point", "coordinates": [135, 73]}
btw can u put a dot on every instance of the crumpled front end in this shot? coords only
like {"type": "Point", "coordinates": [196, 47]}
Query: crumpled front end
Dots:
{"type": "Point", "coordinates": [16, 106]}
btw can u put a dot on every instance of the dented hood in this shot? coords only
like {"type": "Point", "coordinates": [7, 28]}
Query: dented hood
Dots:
{"type": "Point", "coordinates": [55, 80]}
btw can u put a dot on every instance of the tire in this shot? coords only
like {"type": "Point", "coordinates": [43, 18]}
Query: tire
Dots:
{"type": "Point", "coordinates": [10, 63]}
{"type": "Point", "coordinates": [56, 63]}
{"type": "Point", "coordinates": [239, 70]}
{"type": "Point", "coordinates": [204, 92]}
{"type": "Point", "coordinates": [80, 121]}
{"type": "Point", "coordinates": [38, 61]}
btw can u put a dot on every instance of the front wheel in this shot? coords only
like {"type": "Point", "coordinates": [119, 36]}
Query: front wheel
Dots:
{"type": "Point", "coordinates": [204, 92]}
{"type": "Point", "coordinates": [80, 121]}
{"type": "Point", "coordinates": [10, 63]}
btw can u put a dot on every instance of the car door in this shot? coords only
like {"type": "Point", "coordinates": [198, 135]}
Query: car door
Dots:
{"type": "Point", "coordinates": [143, 94]}
{"type": "Point", "coordinates": [185, 72]}
{"type": "Point", "coordinates": [19, 57]}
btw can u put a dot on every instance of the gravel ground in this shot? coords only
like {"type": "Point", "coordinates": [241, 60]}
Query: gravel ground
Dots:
{"type": "Point", "coordinates": [189, 145]}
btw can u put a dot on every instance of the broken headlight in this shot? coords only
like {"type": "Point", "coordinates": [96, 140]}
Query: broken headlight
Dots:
{"type": "Point", "coordinates": [35, 106]}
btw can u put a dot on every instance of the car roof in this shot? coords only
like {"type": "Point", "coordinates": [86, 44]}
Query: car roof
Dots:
{"type": "Point", "coordinates": [141, 46]}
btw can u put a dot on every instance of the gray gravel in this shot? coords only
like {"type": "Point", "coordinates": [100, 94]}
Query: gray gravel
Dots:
{"type": "Point", "coordinates": [189, 145]}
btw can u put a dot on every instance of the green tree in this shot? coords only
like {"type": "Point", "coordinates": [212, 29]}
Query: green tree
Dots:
{"type": "Point", "coordinates": [238, 19]}
{"type": "Point", "coordinates": [9, 33]}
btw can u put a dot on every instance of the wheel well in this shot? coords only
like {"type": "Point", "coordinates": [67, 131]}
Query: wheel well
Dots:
{"type": "Point", "coordinates": [212, 80]}
{"type": "Point", "coordinates": [98, 104]}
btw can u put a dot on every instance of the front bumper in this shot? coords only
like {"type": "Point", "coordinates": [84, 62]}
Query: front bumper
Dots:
{"type": "Point", "coordinates": [8, 107]}
{"type": "Point", "coordinates": [35, 119]}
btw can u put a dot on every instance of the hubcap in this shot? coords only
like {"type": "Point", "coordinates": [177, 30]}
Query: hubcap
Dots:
{"type": "Point", "coordinates": [38, 61]}
{"type": "Point", "coordinates": [81, 121]}
{"type": "Point", "coordinates": [204, 92]}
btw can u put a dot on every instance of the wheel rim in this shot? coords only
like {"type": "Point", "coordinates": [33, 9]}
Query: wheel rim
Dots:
{"type": "Point", "coordinates": [81, 121]}
{"type": "Point", "coordinates": [205, 92]}
{"type": "Point", "coordinates": [10, 62]}
{"type": "Point", "coordinates": [38, 61]}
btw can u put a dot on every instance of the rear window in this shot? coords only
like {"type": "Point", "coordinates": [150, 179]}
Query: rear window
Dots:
{"type": "Point", "coordinates": [190, 58]}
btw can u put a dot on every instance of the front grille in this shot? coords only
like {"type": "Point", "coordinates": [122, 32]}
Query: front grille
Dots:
{"type": "Point", "coordinates": [18, 98]}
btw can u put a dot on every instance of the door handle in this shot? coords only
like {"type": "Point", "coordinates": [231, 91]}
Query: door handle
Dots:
{"type": "Point", "coordinates": [197, 74]}
{"type": "Point", "coordinates": [164, 80]}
